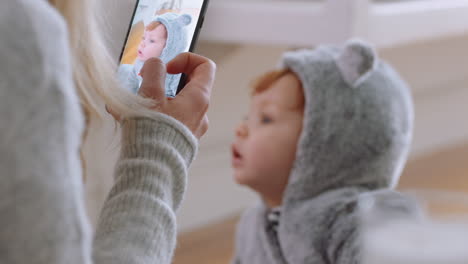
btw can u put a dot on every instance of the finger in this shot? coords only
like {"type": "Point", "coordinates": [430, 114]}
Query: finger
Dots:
{"type": "Point", "coordinates": [185, 63]}
{"type": "Point", "coordinates": [203, 128]}
{"type": "Point", "coordinates": [112, 113]}
{"type": "Point", "coordinates": [205, 124]}
{"type": "Point", "coordinates": [197, 68]}
{"type": "Point", "coordinates": [154, 78]}
{"type": "Point", "coordinates": [199, 87]}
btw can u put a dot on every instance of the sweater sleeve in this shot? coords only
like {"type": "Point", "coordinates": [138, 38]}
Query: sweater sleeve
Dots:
{"type": "Point", "coordinates": [137, 224]}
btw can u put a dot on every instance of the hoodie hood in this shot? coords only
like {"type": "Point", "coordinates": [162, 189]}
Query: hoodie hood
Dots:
{"type": "Point", "coordinates": [177, 34]}
{"type": "Point", "coordinates": [358, 121]}
{"type": "Point", "coordinates": [177, 42]}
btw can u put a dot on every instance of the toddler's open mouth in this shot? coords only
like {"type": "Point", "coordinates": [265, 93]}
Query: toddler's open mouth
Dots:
{"type": "Point", "coordinates": [236, 157]}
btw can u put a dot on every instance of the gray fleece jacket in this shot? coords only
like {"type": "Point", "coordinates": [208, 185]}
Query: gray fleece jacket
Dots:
{"type": "Point", "coordinates": [356, 136]}
{"type": "Point", "coordinates": [42, 213]}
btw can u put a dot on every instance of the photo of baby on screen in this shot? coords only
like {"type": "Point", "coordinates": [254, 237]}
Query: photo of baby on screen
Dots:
{"type": "Point", "coordinates": [162, 29]}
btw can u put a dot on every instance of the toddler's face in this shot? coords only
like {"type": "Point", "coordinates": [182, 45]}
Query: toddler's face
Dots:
{"type": "Point", "coordinates": [265, 146]}
{"type": "Point", "coordinates": [152, 43]}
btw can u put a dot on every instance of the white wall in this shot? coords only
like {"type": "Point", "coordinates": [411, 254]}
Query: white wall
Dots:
{"type": "Point", "coordinates": [438, 72]}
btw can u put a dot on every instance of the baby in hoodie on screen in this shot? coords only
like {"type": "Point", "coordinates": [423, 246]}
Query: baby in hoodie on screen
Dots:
{"type": "Point", "coordinates": [330, 125]}
{"type": "Point", "coordinates": [165, 37]}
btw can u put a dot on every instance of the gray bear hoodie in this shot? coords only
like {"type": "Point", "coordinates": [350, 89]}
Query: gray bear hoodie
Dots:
{"type": "Point", "coordinates": [356, 136]}
{"type": "Point", "coordinates": [177, 42]}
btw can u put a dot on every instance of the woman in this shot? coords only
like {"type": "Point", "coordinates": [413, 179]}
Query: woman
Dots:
{"type": "Point", "coordinates": [51, 73]}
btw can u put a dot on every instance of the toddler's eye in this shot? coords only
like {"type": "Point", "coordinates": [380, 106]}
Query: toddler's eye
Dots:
{"type": "Point", "coordinates": [152, 41]}
{"type": "Point", "coordinates": [266, 119]}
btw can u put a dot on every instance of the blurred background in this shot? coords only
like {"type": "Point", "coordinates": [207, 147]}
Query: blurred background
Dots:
{"type": "Point", "coordinates": [426, 40]}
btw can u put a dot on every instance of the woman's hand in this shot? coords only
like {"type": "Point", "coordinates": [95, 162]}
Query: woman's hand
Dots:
{"type": "Point", "coordinates": [191, 104]}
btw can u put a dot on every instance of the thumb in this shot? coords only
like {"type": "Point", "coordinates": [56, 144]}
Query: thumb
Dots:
{"type": "Point", "coordinates": [154, 79]}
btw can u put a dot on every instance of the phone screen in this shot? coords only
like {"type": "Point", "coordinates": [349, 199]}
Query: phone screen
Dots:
{"type": "Point", "coordinates": [163, 29]}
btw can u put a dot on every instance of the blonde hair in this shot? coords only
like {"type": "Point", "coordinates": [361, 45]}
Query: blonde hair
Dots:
{"type": "Point", "coordinates": [94, 69]}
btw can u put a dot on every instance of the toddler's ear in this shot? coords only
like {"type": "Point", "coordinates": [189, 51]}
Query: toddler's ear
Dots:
{"type": "Point", "coordinates": [185, 20]}
{"type": "Point", "coordinates": [355, 61]}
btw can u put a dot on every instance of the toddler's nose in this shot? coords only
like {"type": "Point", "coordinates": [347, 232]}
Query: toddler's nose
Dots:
{"type": "Point", "coordinates": [241, 130]}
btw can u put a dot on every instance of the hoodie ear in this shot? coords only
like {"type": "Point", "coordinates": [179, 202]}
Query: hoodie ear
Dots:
{"type": "Point", "coordinates": [184, 20]}
{"type": "Point", "coordinates": [356, 61]}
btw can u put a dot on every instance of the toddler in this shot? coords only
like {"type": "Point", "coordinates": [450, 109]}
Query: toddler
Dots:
{"type": "Point", "coordinates": [329, 126]}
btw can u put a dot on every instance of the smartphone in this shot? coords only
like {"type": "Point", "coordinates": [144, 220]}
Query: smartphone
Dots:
{"type": "Point", "coordinates": [163, 29]}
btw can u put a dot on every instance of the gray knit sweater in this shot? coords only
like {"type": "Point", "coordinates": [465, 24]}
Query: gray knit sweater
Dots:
{"type": "Point", "coordinates": [42, 214]}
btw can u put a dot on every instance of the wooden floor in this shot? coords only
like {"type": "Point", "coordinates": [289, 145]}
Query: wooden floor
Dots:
{"type": "Point", "coordinates": [209, 245]}
{"type": "Point", "coordinates": [447, 170]}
